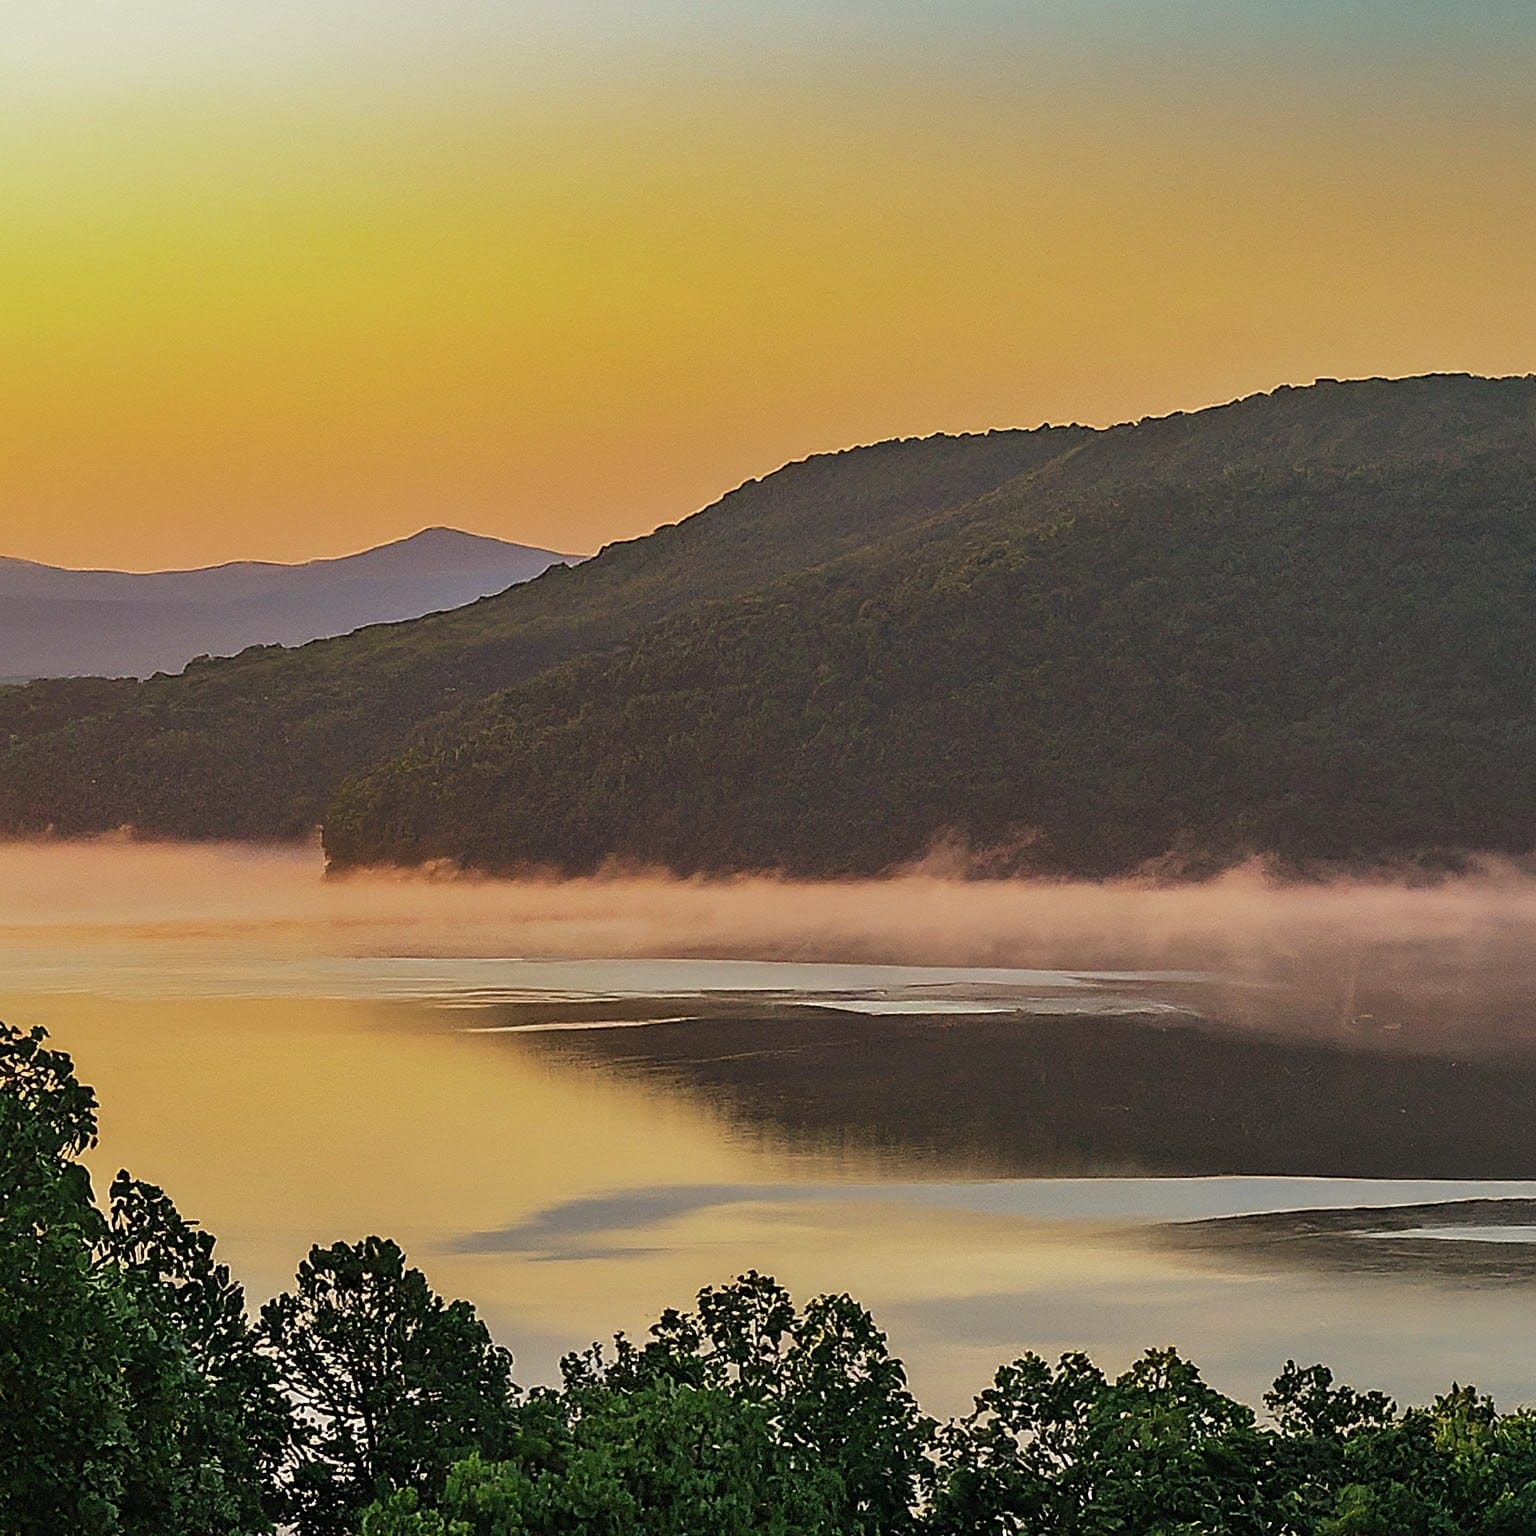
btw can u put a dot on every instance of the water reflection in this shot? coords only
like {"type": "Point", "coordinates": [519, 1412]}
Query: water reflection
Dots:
{"type": "Point", "coordinates": [1003, 1118]}
{"type": "Point", "coordinates": [1032, 1095]}
{"type": "Point", "coordinates": [1478, 1241]}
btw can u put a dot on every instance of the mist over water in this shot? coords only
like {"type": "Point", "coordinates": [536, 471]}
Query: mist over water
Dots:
{"type": "Point", "coordinates": [975, 1105]}
{"type": "Point", "coordinates": [1436, 967]}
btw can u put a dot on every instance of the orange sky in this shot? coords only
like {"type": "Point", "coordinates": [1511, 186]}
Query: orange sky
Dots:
{"type": "Point", "coordinates": [285, 281]}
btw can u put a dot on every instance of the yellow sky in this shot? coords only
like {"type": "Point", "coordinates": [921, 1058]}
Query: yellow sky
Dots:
{"type": "Point", "coordinates": [295, 292]}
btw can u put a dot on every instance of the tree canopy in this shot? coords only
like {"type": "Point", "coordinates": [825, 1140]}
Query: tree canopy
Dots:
{"type": "Point", "coordinates": [390, 1384]}
{"type": "Point", "coordinates": [132, 1396]}
{"type": "Point", "coordinates": [137, 1398]}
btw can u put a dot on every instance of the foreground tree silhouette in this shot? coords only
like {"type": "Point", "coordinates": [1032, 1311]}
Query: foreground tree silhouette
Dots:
{"type": "Point", "coordinates": [136, 1400]}
{"type": "Point", "coordinates": [392, 1384]}
{"type": "Point", "coordinates": [662, 1460]}
{"type": "Point", "coordinates": [132, 1399]}
{"type": "Point", "coordinates": [742, 1417]}
{"type": "Point", "coordinates": [238, 1416]}
{"type": "Point", "coordinates": [1065, 1449]}
{"type": "Point", "coordinates": [836, 1396]}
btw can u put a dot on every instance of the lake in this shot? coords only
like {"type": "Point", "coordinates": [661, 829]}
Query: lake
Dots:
{"type": "Point", "coordinates": [1004, 1116]}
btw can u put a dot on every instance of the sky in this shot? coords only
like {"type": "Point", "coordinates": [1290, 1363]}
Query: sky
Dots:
{"type": "Point", "coordinates": [290, 279]}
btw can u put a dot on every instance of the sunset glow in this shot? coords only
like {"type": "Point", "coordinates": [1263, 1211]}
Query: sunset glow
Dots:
{"type": "Point", "coordinates": [289, 280]}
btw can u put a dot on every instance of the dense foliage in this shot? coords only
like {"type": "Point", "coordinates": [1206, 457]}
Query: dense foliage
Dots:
{"type": "Point", "coordinates": [253, 745]}
{"type": "Point", "coordinates": [133, 1397]}
{"type": "Point", "coordinates": [137, 1399]}
{"type": "Point", "coordinates": [1127, 657]}
{"type": "Point", "coordinates": [390, 1384]}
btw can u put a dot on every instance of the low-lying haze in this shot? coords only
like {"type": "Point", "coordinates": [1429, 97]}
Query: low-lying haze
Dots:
{"type": "Point", "coordinates": [1430, 966]}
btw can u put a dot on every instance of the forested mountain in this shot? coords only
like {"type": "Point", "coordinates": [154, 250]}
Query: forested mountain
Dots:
{"type": "Point", "coordinates": [1303, 625]}
{"type": "Point", "coordinates": [253, 746]}
{"type": "Point", "coordinates": [67, 623]}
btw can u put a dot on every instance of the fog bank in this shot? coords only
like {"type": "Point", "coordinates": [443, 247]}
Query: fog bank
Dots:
{"type": "Point", "coordinates": [1441, 965]}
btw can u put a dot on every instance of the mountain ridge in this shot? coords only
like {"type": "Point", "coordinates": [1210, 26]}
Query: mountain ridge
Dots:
{"type": "Point", "coordinates": [1162, 636]}
{"type": "Point", "coordinates": [254, 746]}
{"type": "Point", "coordinates": [59, 621]}
{"type": "Point", "coordinates": [1268, 754]}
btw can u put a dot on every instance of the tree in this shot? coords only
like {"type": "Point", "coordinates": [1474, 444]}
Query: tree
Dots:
{"type": "Point", "coordinates": [63, 1327]}
{"type": "Point", "coordinates": [232, 1413]}
{"type": "Point", "coordinates": [835, 1397]}
{"type": "Point", "coordinates": [393, 1385]}
{"type": "Point", "coordinates": [1322, 1430]}
{"type": "Point", "coordinates": [662, 1460]}
{"type": "Point", "coordinates": [113, 1418]}
{"type": "Point", "coordinates": [1066, 1450]}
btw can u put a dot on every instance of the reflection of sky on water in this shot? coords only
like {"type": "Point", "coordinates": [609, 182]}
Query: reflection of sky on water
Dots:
{"type": "Point", "coordinates": [221, 970]}
{"type": "Point", "coordinates": [1466, 1234]}
{"type": "Point", "coordinates": [310, 1077]}
{"type": "Point", "coordinates": [568, 1199]}
{"type": "Point", "coordinates": [1098, 1201]}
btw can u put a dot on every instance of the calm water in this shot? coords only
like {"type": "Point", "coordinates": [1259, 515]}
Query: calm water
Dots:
{"type": "Point", "coordinates": [976, 1108]}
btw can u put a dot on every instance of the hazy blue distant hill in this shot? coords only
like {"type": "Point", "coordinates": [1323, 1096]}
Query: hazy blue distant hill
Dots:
{"type": "Point", "coordinates": [67, 623]}
{"type": "Point", "coordinates": [255, 746]}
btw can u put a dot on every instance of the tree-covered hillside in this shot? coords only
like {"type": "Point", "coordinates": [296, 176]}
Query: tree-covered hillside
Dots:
{"type": "Point", "coordinates": [1303, 625]}
{"type": "Point", "coordinates": [252, 746]}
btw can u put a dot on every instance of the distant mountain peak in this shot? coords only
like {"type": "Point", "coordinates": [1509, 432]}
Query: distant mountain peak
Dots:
{"type": "Point", "coordinates": [437, 538]}
{"type": "Point", "coordinates": [57, 623]}
{"type": "Point", "coordinates": [441, 533]}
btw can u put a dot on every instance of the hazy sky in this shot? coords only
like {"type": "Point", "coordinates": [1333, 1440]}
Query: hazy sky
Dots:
{"type": "Point", "coordinates": [290, 278]}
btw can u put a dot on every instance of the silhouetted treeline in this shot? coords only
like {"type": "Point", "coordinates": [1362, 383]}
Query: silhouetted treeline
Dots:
{"type": "Point", "coordinates": [137, 1398]}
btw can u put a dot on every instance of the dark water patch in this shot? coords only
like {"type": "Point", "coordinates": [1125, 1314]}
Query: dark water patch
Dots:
{"type": "Point", "coordinates": [1017, 1095]}
{"type": "Point", "coordinates": [1488, 1241]}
